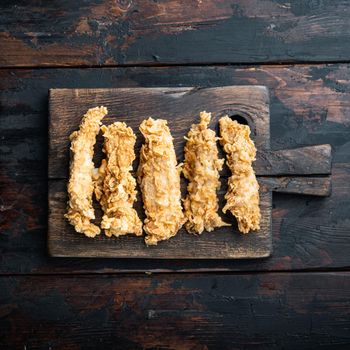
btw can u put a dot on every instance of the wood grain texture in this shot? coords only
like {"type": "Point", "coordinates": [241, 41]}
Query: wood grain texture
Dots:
{"type": "Point", "coordinates": [266, 311]}
{"type": "Point", "coordinates": [311, 160]}
{"type": "Point", "coordinates": [106, 32]}
{"type": "Point", "coordinates": [223, 243]}
{"type": "Point", "coordinates": [316, 186]}
{"type": "Point", "coordinates": [180, 107]}
{"type": "Point", "coordinates": [309, 105]}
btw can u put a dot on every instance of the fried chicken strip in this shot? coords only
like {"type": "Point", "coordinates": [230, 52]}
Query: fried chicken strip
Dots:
{"type": "Point", "coordinates": [242, 197]}
{"type": "Point", "coordinates": [159, 179]}
{"type": "Point", "coordinates": [201, 168]}
{"type": "Point", "coordinates": [80, 186]}
{"type": "Point", "coordinates": [115, 186]}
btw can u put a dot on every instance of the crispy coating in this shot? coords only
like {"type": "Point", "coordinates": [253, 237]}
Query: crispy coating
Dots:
{"type": "Point", "coordinates": [201, 168]}
{"type": "Point", "coordinates": [115, 186]}
{"type": "Point", "coordinates": [80, 186]}
{"type": "Point", "coordinates": [159, 179]}
{"type": "Point", "coordinates": [242, 197]}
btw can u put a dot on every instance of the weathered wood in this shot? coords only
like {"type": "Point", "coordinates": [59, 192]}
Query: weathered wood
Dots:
{"type": "Point", "coordinates": [179, 106]}
{"type": "Point", "coordinates": [309, 105]}
{"type": "Point", "coordinates": [316, 186]}
{"type": "Point", "coordinates": [308, 233]}
{"type": "Point", "coordinates": [223, 243]}
{"type": "Point", "coordinates": [311, 160]}
{"type": "Point", "coordinates": [157, 32]}
{"type": "Point", "coordinates": [268, 311]}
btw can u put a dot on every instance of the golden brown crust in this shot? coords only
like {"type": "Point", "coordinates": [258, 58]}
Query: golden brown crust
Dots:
{"type": "Point", "coordinates": [115, 186]}
{"type": "Point", "coordinates": [159, 179]}
{"type": "Point", "coordinates": [80, 186]}
{"type": "Point", "coordinates": [201, 168]}
{"type": "Point", "coordinates": [242, 197]}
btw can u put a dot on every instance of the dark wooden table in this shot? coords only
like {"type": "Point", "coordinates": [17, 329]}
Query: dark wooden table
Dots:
{"type": "Point", "coordinates": [300, 297]}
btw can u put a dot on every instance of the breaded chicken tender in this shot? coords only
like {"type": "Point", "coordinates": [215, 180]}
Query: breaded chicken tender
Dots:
{"type": "Point", "coordinates": [80, 185]}
{"type": "Point", "coordinates": [159, 179]}
{"type": "Point", "coordinates": [115, 186]}
{"type": "Point", "coordinates": [242, 197]}
{"type": "Point", "coordinates": [201, 168]}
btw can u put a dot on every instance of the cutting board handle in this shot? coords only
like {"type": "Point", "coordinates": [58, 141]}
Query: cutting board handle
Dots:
{"type": "Point", "coordinates": [315, 186]}
{"type": "Point", "coordinates": [310, 160]}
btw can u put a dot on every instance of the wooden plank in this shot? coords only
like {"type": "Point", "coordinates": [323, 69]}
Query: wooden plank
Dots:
{"type": "Point", "coordinates": [58, 239]}
{"type": "Point", "coordinates": [274, 311]}
{"type": "Point", "coordinates": [310, 104]}
{"type": "Point", "coordinates": [153, 32]}
{"type": "Point", "coordinates": [223, 243]}
{"type": "Point", "coordinates": [311, 160]}
{"type": "Point", "coordinates": [316, 186]}
{"type": "Point", "coordinates": [179, 106]}
{"type": "Point", "coordinates": [308, 233]}
{"type": "Point", "coordinates": [64, 241]}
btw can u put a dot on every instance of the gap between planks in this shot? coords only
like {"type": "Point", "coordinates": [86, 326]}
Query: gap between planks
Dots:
{"type": "Point", "coordinates": [183, 64]}
{"type": "Point", "coordinates": [197, 272]}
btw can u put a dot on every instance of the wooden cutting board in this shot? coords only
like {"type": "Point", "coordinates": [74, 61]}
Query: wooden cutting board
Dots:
{"type": "Point", "coordinates": [302, 170]}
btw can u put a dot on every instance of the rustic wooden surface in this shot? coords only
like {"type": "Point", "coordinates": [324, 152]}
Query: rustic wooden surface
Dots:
{"type": "Point", "coordinates": [224, 243]}
{"type": "Point", "coordinates": [268, 311]}
{"type": "Point", "coordinates": [139, 32]}
{"type": "Point", "coordinates": [309, 105]}
{"type": "Point", "coordinates": [248, 306]}
{"type": "Point", "coordinates": [181, 108]}
{"type": "Point", "coordinates": [316, 186]}
{"type": "Point", "coordinates": [311, 160]}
